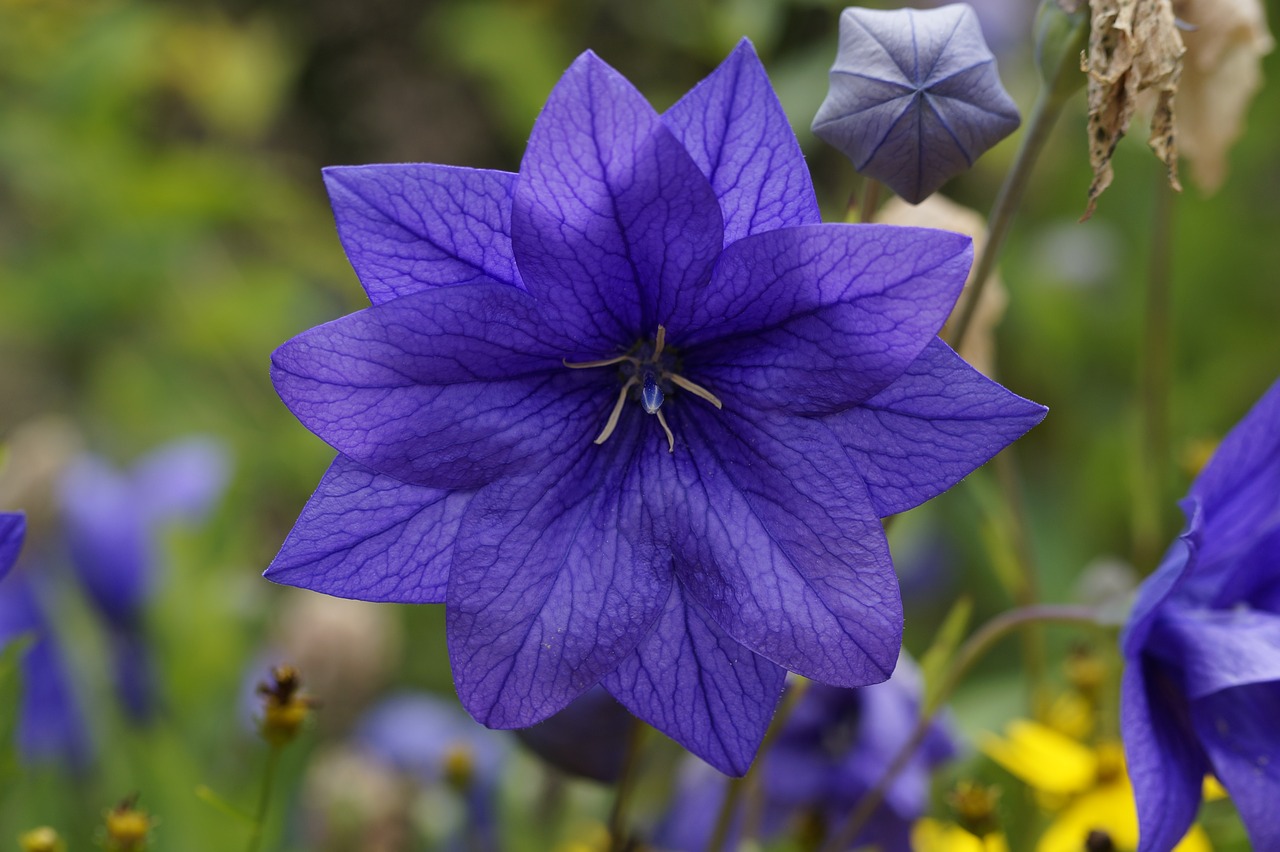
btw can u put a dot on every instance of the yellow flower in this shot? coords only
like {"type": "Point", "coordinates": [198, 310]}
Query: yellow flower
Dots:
{"type": "Point", "coordinates": [1087, 788]}
{"type": "Point", "coordinates": [931, 835]}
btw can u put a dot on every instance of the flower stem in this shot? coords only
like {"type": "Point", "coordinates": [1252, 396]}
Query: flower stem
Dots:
{"type": "Point", "coordinates": [1044, 115]}
{"type": "Point", "coordinates": [870, 202]}
{"type": "Point", "coordinates": [974, 648]}
{"type": "Point", "coordinates": [749, 784]}
{"type": "Point", "coordinates": [264, 799]}
{"type": "Point", "coordinates": [1154, 366]}
{"type": "Point", "coordinates": [618, 835]}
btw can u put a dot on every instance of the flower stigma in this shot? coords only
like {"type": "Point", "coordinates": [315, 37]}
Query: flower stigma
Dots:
{"type": "Point", "coordinates": [647, 366]}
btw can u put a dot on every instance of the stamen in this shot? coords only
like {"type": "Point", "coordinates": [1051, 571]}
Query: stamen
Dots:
{"type": "Point", "coordinates": [617, 410]}
{"type": "Point", "coordinates": [660, 343]}
{"type": "Point", "coordinates": [671, 439]}
{"type": "Point", "coordinates": [606, 362]}
{"type": "Point", "coordinates": [695, 389]}
{"type": "Point", "coordinates": [651, 395]}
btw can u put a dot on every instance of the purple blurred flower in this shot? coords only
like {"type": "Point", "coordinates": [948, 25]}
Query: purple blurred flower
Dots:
{"type": "Point", "coordinates": [915, 98]}
{"type": "Point", "coordinates": [111, 520]}
{"type": "Point", "coordinates": [684, 550]}
{"type": "Point", "coordinates": [13, 527]}
{"type": "Point", "coordinates": [429, 740]}
{"type": "Point", "coordinates": [829, 754]}
{"type": "Point", "coordinates": [588, 738]}
{"type": "Point", "coordinates": [1201, 690]}
{"type": "Point", "coordinates": [50, 727]}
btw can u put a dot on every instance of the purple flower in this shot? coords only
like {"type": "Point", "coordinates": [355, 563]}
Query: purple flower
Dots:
{"type": "Point", "coordinates": [830, 753]}
{"type": "Point", "coordinates": [111, 521]}
{"type": "Point", "coordinates": [50, 725]}
{"type": "Point", "coordinates": [1201, 689]}
{"type": "Point", "coordinates": [915, 98]}
{"type": "Point", "coordinates": [588, 738]}
{"type": "Point", "coordinates": [633, 414]}
{"type": "Point", "coordinates": [429, 740]}
{"type": "Point", "coordinates": [13, 526]}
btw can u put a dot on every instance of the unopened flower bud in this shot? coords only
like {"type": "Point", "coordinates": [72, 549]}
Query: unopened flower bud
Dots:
{"type": "Point", "coordinates": [127, 827]}
{"type": "Point", "coordinates": [284, 706]}
{"type": "Point", "coordinates": [42, 839]}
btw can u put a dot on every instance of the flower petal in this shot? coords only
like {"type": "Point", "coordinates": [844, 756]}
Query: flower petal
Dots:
{"type": "Point", "coordinates": [13, 527]}
{"type": "Point", "coordinates": [734, 128]}
{"type": "Point", "coordinates": [367, 536]}
{"type": "Point", "coordinates": [107, 537]}
{"type": "Point", "coordinates": [611, 216]}
{"type": "Point", "coordinates": [933, 426]}
{"type": "Point", "coordinates": [776, 539]}
{"type": "Point", "coordinates": [1164, 762]}
{"type": "Point", "coordinates": [1238, 730]}
{"type": "Point", "coordinates": [704, 690]}
{"type": "Point", "coordinates": [1174, 570]}
{"type": "Point", "coordinates": [1219, 649]}
{"type": "Point", "coordinates": [449, 388]}
{"type": "Point", "coordinates": [1238, 490]}
{"type": "Point", "coordinates": [408, 228]}
{"type": "Point", "coordinates": [556, 577]}
{"type": "Point", "coordinates": [183, 479]}
{"type": "Point", "coordinates": [821, 317]}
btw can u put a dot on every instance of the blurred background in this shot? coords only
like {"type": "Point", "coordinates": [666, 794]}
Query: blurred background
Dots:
{"type": "Point", "coordinates": [163, 228]}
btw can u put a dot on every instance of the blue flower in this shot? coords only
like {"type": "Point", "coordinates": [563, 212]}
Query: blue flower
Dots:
{"type": "Point", "coordinates": [1201, 689]}
{"type": "Point", "coordinates": [429, 740]}
{"type": "Point", "coordinates": [915, 98]}
{"type": "Point", "coordinates": [13, 527]}
{"type": "Point", "coordinates": [831, 752]}
{"type": "Point", "coordinates": [589, 738]}
{"type": "Point", "coordinates": [633, 414]}
{"type": "Point", "coordinates": [111, 521]}
{"type": "Point", "coordinates": [51, 727]}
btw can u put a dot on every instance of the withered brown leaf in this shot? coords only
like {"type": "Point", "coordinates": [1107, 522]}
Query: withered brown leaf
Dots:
{"type": "Point", "coordinates": [1134, 46]}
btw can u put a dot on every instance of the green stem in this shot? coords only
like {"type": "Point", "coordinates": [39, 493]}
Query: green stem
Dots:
{"type": "Point", "coordinates": [749, 783]}
{"type": "Point", "coordinates": [970, 652]}
{"type": "Point", "coordinates": [264, 799]}
{"type": "Point", "coordinates": [1155, 359]}
{"type": "Point", "coordinates": [626, 786]}
{"type": "Point", "coordinates": [1044, 115]}
{"type": "Point", "coordinates": [870, 200]}
{"type": "Point", "coordinates": [1027, 592]}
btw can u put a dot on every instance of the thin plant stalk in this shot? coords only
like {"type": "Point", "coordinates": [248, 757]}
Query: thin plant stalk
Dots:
{"type": "Point", "coordinates": [1155, 357]}
{"type": "Point", "coordinates": [618, 835]}
{"type": "Point", "coordinates": [1044, 114]}
{"type": "Point", "coordinates": [264, 799]}
{"type": "Point", "coordinates": [976, 647]}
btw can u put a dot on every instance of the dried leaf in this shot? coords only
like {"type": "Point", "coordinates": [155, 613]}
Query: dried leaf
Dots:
{"type": "Point", "coordinates": [1134, 46]}
{"type": "Point", "coordinates": [1221, 74]}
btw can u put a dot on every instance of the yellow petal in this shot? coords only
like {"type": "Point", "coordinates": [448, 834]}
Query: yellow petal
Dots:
{"type": "Point", "coordinates": [1109, 809]}
{"type": "Point", "coordinates": [1043, 758]}
{"type": "Point", "coordinates": [931, 835]}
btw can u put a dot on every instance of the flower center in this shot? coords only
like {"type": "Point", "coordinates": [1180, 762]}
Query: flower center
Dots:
{"type": "Point", "coordinates": [647, 368]}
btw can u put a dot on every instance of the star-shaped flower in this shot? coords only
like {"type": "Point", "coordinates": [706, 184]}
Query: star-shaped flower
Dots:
{"type": "Point", "coordinates": [915, 97]}
{"type": "Point", "coordinates": [1201, 688]}
{"type": "Point", "coordinates": [633, 414]}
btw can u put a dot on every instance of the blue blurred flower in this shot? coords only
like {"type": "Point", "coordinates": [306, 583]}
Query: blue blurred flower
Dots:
{"type": "Point", "coordinates": [915, 97]}
{"type": "Point", "coordinates": [831, 751]}
{"type": "Point", "coordinates": [1201, 689]}
{"type": "Point", "coordinates": [589, 738]}
{"type": "Point", "coordinates": [51, 727]}
{"type": "Point", "coordinates": [112, 521]}
{"type": "Point", "coordinates": [13, 527]}
{"type": "Point", "coordinates": [428, 739]}
{"type": "Point", "coordinates": [696, 507]}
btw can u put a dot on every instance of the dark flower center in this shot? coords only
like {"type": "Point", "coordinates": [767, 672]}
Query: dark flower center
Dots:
{"type": "Point", "coordinates": [648, 370]}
